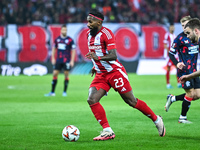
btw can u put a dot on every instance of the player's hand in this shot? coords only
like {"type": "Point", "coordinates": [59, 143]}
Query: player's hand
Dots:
{"type": "Point", "coordinates": [71, 63]}
{"type": "Point", "coordinates": [180, 65]}
{"type": "Point", "coordinates": [91, 55]}
{"type": "Point", "coordinates": [53, 61]}
{"type": "Point", "coordinates": [184, 78]}
{"type": "Point", "coordinates": [93, 72]}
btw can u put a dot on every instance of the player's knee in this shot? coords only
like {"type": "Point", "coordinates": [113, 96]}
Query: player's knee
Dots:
{"type": "Point", "coordinates": [131, 102]}
{"type": "Point", "coordinates": [196, 97]}
{"type": "Point", "coordinates": [91, 100]}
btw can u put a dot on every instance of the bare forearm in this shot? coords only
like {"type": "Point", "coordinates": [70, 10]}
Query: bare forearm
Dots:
{"type": "Point", "coordinates": [53, 52]}
{"type": "Point", "coordinates": [194, 74]}
{"type": "Point", "coordinates": [110, 56]}
{"type": "Point", "coordinates": [73, 55]}
{"type": "Point", "coordinates": [166, 47]}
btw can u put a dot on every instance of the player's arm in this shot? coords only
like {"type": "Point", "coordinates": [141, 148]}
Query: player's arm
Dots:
{"type": "Point", "coordinates": [73, 54]}
{"type": "Point", "coordinates": [166, 47]}
{"type": "Point", "coordinates": [174, 48]}
{"type": "Point", "coordinates": [185, 78]}
{"type": "Point", "coordinates": [173, 59]}
{"type": "Point", "coordinates": [179, 65]}
{"type": "Point", "coordinates": [53, 59]}
{"type": "Point", "coordinates": [190, 76]}
{"type": "Point", "coordinates": [112, 55]}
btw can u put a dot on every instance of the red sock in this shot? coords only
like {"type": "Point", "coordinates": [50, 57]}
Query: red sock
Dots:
{"type": "Point", "coordinates": [100, 114]}
{"type": "Point", "coordinates": [142, 106]}
{"type": "Point", "coordinates": [167, 77]}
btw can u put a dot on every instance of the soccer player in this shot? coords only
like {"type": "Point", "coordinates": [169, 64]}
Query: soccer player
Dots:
{"type": "Point", "coordinates": [188, 53]}
{"type": "Point", "coordinates": [192, 29]}
{"type": "Point", "coordinates": [109, 72]}
{"type": "Point", "coordinates": [65, 59]}
{"type": "Point", "coordinates": [168, 40]}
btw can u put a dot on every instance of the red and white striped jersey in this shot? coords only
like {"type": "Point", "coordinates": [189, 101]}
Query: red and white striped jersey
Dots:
{"type": "Point", "coordinates": [169, 39]}
{"type": "Point", "coordinates": [101, 44]}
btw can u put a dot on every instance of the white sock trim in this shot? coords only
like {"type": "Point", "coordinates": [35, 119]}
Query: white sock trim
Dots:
{"type": "Point", "coordinates": [157, 120]}
{"type": "Point", "coordinates": [108, 129]}
{"type": "Point", "coordinates": [182, 117]}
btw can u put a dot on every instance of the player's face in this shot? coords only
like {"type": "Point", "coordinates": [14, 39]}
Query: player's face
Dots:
{"type": "Point", "coordinates": [64, 31]}
{"type": "Point", "coordinates": [171, 29]}
{"type": "Point", "coordinates": [93, 25]}
{"type": "Point", "coordinates": [183, 25]}
{"type": "Point", "coordinates": [191, 35]}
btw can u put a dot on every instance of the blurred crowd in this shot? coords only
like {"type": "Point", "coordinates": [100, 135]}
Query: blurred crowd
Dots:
{"type": "Point", "coordinates": [23, 12]}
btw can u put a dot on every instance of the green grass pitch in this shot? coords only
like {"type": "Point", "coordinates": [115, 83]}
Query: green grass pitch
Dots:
{"type": "Point", "coordinates": [30, 121]}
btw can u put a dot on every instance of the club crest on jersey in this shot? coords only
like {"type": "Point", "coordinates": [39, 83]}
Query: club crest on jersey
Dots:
{"type": "Point", "coordinates": [97, 38]}
{"type": "Point", "coordinates": [66, 41]}
{"type": "Point", "coordinates": [186, 41]}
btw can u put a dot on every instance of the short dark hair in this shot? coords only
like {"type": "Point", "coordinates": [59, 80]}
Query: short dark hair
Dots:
{"type": "Point", "coordinates": [64, 25]}
{"type": "Point", "coordinates": [193, 23]}
{"type": "Point", "coordinates": [96, 13]}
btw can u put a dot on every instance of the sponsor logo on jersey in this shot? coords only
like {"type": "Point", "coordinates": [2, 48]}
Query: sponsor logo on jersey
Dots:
{"type": "Point", "coordinates": [66, 41]}
{"type": "Point", "coordinates": [193, 49]}
{"type": "Point", "coordinates": [95, 47]}
{"type": "Point", "coordinates": [61, 46]}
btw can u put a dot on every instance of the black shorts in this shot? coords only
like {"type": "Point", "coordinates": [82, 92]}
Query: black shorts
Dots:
{"type": "Point", "coordinates": [60, 66]}
{"type": "Point", "coordinates": [193, 83]}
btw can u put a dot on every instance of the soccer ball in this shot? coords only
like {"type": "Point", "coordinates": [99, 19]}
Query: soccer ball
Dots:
{"type": "Point", "coordinates": [71, 133]}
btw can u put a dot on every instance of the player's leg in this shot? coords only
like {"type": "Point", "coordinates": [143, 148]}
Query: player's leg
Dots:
{"type": "Point", "coordinates": [168, 77]}
{"type": "Point", "coordinates": [196, 88]}
{"type": "Point", "coordinates": [53, 83]}
{"type": "Point", "coordinates": [186, 105]}
{"type": "Point", "coordinates": [66, 82]}
{"type": "Point", "coordinates": [192, 88]}
{"type": "Point", "coordinates": [197, 94]}
{"type": "Point", "coordinates": [145, 109]}
{"type": "Point", "coordinates": [99, 113]}
{"type": "Point", "coordinates": [191, 94]}
{"type": "Point", "coordinates": [172, 98]}
{"type": "Point", "coordinates": [66, 68]}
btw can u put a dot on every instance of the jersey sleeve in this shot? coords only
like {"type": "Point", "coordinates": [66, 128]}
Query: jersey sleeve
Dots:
{"type": "Point", "coordinates": [110, 40]}
{"type": "Point", "coordinates": [175, 46]}
{"type": "Point", "coordinates": [165, 38]}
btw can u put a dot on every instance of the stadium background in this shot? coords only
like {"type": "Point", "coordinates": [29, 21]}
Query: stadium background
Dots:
{"type": "Point", "coordinates": [28, 29]}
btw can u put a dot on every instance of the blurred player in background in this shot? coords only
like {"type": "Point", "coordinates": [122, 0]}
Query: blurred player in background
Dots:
{"type": "Point", "coordinates": [109, 72]}
{"type": "Point", "coordinates": [168, 40]}
{"type": "Point", "coordinates": [192, 29]}
{"type": "Point", "coordinates": [65, 59]}
{"type": "Point", "coordinates": [188, 53]}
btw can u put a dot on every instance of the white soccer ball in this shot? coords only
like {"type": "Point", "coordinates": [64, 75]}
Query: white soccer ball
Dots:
{"type": "Point", "coordinates": [71, 133]}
